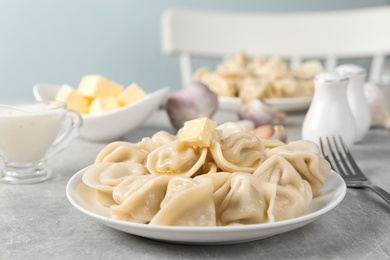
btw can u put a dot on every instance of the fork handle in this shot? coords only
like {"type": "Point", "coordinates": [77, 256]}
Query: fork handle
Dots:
{"type": "Point", "coordinates": [381, 192]}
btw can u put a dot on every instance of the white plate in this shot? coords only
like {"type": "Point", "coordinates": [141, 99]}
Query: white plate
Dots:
{"type": "Point", "coordinates": [284, 104]}
{"type": "Point", "coordinates": [334, 192]}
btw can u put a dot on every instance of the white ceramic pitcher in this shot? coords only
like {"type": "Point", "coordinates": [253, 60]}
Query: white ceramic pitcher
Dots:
{"type": "Point", "coordinates": [329, 113]}
{"type": "Point", "coordinates": [356, 99]}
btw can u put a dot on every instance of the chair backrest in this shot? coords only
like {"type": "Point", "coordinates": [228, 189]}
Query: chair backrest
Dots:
{"type": "Point", "coordinates": [329, 36]}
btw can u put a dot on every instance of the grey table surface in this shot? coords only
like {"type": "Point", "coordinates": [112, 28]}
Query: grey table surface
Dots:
{"type": "Point", "coordinates": [38, 222]}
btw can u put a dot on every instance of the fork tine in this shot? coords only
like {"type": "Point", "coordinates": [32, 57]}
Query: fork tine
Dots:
{"type": "Point", "coordinates": [326, 154]}
{"type": "Point", "coordinates": [356, 178]}
{"type": "Point", "coordinates": [335, 159]}
{"type": "Point", "coordinates": [341, 156]}
{"type": "Point", "coordinates": [352, 161]}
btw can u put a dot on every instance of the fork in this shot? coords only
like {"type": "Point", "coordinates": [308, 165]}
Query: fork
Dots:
{"type": "Point", "coordinates": [346, 166]}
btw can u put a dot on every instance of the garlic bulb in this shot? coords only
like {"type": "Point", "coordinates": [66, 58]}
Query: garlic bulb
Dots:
{"type": "Point", "coordinates": [260, 113]}
{"type": "Point", "coordinates": [379, 105]}
{"type": "Point", "coordinates": [271, 132]}
{"type": "Point", "coordinates": [192, 101]}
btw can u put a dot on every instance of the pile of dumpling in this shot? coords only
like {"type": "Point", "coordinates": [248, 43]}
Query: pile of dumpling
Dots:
{"type": "Point", "coordinates": [235, 179]}
{"type": "Point", "coordinates": [260, 77]}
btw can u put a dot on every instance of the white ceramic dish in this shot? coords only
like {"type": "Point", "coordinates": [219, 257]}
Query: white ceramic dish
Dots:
{"type": "Point", "coordinates": [113, 124]}
{"type": "Point", "coordinates": [284, 104]}
{"type": "Point", "coordinates": [83, 199]}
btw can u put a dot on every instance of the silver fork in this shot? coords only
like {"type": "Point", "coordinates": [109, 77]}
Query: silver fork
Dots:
{"type": "Point", "coordinates": [342, 162]}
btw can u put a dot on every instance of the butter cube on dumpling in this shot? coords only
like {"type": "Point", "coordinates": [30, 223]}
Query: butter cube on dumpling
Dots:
{"type": "Point", "coordinates": [198, 132]}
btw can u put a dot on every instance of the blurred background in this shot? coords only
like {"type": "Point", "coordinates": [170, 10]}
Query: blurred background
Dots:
{"type": "Point", "coordinates": [60, 41]}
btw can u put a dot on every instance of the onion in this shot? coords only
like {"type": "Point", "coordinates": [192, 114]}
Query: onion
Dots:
{"type": "Point", "coordinates": [260, 113]}
{"type": "Point", "coordinates": [194, 100]}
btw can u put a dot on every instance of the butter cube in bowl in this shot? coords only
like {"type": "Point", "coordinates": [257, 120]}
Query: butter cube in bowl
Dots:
{"type": "Point", "coordinates": [109, 110]}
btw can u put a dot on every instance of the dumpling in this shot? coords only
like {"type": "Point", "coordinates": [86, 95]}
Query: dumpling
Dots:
{"type": "Point", "coordinates": [210, 167]}
{"type": "Point", "coordinates": [306, 87]}
{"type": "Point", "coordinates": [234, 67]}
{"type": "Point", "coordinates": [229, 128]}
{"type": "Point", "coordinates": [305, 74]}
{"type": "Point", "coordinates": [218, 178]}
{"type": "Point", "coordinates": [239, 152]}
{"type": "Point", "coordinates": [139, 197]}
{"type": "Point", "coordinates": [175, 159]}
{"type": "Point", "coordinates": [201, 73]}
{"type": "Point", "coordinates": [308, 70]}
{"type": "Point", "coordinates": [275, 68]}
{"type": "Point", "coordinates": [241, 58]}
{"type": "Point", "coordinates": [284, 87]}
{"type": "Point", "coordinates": [256, 62]}
{"type": "Point", "coordinates": [104, 176]}
{"type": "Point", "coordinates": [188, 202]}
{"type": "Point", "coordinates": [251, 87]}
{"type": "Point", "coordinates": [246, 125]}
{"type": "Point", "coordinates": [305, 157]}
{"type": "Point", "coordinates": [128, 186]}
{"type": "Point", "coordinates": [163, 137]}
{"type": "Point", "coordinates": [286, 193]}
{"type": "Point", "coordinates": [233, 70]}
{"type": "Point", "coordinates": [271, 143]}
{"type": "Point", "coordinates": [147, 144]}
{"type": "Point", "coordinates": [220, 85]}
{"type": "Point", "coordinates": [122, 152]}
{"type": "Point", "coordinates": [240, 200]}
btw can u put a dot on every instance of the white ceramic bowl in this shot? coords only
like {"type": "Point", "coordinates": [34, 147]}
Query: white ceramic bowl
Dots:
{"type": "Point", "coordinates": [111, 125]}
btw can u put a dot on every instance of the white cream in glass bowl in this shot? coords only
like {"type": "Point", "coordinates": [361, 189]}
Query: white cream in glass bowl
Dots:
{"type": "Point", "coordinates": [31, 133]}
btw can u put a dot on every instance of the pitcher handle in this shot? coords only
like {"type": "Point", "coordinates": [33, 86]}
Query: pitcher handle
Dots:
{"type": "Point", "coordinates": [71, 133]}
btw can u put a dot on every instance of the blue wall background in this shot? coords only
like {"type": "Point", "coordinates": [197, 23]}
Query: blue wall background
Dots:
{"type": "Point", "coordinates": [60, 41]}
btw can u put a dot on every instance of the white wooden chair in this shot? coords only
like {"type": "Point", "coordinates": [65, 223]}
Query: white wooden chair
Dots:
{"type": "Point", "coordinates": [329, 36]}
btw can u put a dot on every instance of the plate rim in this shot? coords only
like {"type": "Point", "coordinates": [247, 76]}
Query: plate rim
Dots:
{"type": "Point", "coordinates": [287, 104]}
{"type": "Point", "coordinates": [338, 195]}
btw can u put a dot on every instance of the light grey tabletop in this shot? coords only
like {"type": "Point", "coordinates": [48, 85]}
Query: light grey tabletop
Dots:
{"type": "Point", "coordinates": [38, 222]}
